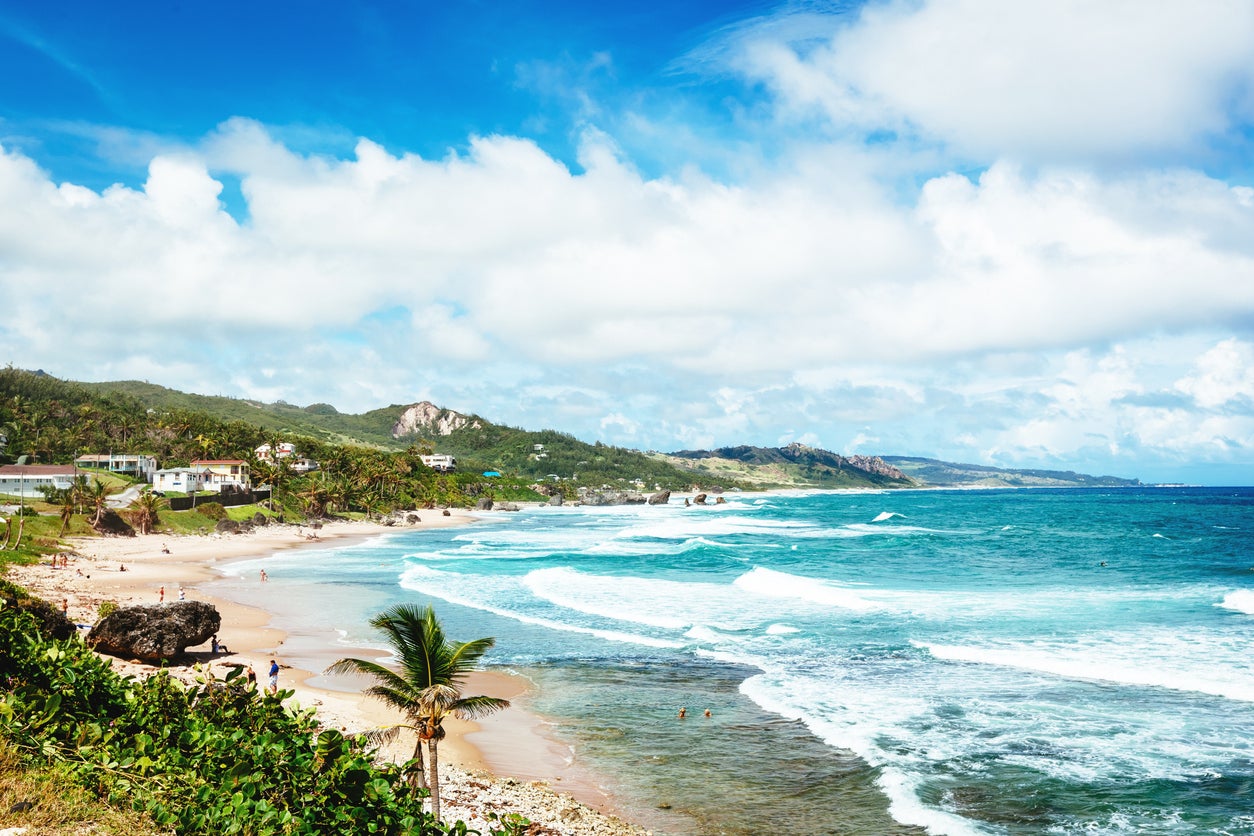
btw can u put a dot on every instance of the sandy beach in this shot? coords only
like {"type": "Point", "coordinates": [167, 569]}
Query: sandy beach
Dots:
{"type": "Point", "coordinates": [502, 763]}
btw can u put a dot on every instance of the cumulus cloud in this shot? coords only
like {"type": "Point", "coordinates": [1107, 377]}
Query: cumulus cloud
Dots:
{"type": "Point", "coordinates": [1028, 80]}
{"type": "Point", "coordinates": [1044, 309]}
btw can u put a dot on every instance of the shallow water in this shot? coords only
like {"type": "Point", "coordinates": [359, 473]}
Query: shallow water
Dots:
{"type": "Point", "coordinates": [1045, 661]}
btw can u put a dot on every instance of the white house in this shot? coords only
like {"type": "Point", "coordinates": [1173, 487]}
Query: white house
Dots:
{"type": "Point", "coordinates": [128, 464]}
{"type": "Point", "coordinates": [182, 479]}
{"type": "Point", "coordinates": [440, 462]}
{"type": "Point", "coordinates": [287, 450]}
{"type": "Point", "coordinates": [24, 480]}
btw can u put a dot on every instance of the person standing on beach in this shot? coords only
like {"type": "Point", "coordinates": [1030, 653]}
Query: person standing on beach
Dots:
{"type": "Point", "coordinates": [182, 594]}
{"type": "Point", "coordinates": [274, 677]}
{"type": "Point", "coordinates": [252, 676]}
{"type": "Point", "coordinates": [264, 577]}
{"type": "Point", "coordinates": [161, 595]}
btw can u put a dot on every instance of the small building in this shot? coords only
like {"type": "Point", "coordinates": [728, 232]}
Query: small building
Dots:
{"type": "Point", "coordinates": [287, 451]}
{"type": "Point", "coordinates": [25, 480]}
{"type": "Point", "coordinates": [225, 475]}
{"type": "Point", "coordinates": [182, 479]}
{"type": "Point", "coordinates": [440, 462]}
{"type": "Point", "coordinates": [126, 464]}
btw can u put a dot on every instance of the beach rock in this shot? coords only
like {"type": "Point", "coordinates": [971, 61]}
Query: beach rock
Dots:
{"type": "Point", "coordinates": [413, 519]}
{"type": "Point", "coordinates": [556, 499]}
{"type": "Point", "coordinates": [660, 498]}
{"type": "Point", "coordinates": [260, 519]}
{"type": "Point", "coordinates": [52, 623]}
{"type": "Point", "coordinates": [699, 499]}
{"type": "Point", "coordinates": [227, 527]}
{"type": "Point", "coordinates": [484, 504]}
{"type": "Point", "coordinates": [506, 506]}
{"type": "Point", "coordinates": [111, 522]}
{"type": "Point", "coordinates": [155, 632]}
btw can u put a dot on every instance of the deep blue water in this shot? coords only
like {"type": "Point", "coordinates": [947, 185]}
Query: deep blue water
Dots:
{"type": "Point", "coordinates": [994, 661]}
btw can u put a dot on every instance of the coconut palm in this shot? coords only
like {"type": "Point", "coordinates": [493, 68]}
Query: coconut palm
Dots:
{"type": "Point", "coordinates": [146, 508]}
{"type": "Point", "coordinates": [427, 688]}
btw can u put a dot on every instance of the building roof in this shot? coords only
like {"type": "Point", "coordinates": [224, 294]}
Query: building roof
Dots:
{"type": "Point", "coordinates": [38, 470]}
{"type": "Point", "coordinates": [219, 461]}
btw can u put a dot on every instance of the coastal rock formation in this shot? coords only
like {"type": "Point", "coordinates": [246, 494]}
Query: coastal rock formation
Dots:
{"type": "Point", "coordinates": [604, 498]}
{"type": "Point", "coordinates": [660, 498]}
{"type": "Point", "coordinates": [52, 622]}
{"type": "Point", "coordinates": [427, 419]}
{"type": "Point", "coordinates": [556, 499]}
{"type": "Point", "coordinates": [484, 504]}
{"type": "Point", "coordinates": [152, 633]}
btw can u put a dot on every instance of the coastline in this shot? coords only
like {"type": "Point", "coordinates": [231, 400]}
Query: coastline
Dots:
{"type": "Point", "coordinates": [502, 763]}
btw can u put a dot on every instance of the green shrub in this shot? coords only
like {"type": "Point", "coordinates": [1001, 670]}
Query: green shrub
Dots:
{"type": "Point", "coordinates": [212, 510]}
{"type": "Point", "coordinates": [216, 757]}
{"type": "Point", "coordinates": [106, 609]}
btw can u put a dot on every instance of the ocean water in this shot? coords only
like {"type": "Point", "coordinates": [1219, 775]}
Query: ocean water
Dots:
{"type": "Point", "coordinates": [957, 662]}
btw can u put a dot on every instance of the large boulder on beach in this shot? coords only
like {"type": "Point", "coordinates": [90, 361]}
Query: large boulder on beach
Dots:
{"type": "Point", "coordinates": [152, 633]}
{"type": "Point", "coordinates": [660, 498]}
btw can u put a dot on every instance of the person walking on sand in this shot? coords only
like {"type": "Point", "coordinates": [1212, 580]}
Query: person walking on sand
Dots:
{"type": "Point", "coordinates": [264, 576]}
{"type": "Point", "coordinates": [161, 595]}
{"type": "Point", "coordinates": [274, 677]}
{"type": "Point", "coordinates": [182, 594]}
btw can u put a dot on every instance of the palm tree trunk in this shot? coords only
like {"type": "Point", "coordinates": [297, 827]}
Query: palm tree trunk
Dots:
{"type": "Point", "coordinates": [421, 779]}
{"type": "Point", "coordinates": [21, 524]}
{"type": "Point", "coordinates": [435, 777]}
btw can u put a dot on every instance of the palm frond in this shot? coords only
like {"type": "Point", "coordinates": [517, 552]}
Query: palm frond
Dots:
{"type": "Point", "coordinates": [472, 708]}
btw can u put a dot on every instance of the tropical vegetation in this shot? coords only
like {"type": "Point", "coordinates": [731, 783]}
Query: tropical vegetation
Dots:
{"type": "Point", "coordinates": [160, 756]}
{"type": "Point", "coordinates": [427, 688]}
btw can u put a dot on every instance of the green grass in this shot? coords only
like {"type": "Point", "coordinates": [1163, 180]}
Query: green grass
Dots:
{"type": "Point", "coordinates": [47, 802]}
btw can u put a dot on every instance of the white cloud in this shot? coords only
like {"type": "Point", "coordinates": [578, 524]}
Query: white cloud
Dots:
{"type": "Point", "coordinates": [1063, 79]}
{"type": "Point", "coordinates": [1222, 376]}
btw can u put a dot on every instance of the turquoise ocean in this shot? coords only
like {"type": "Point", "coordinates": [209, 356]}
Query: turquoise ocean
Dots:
{"type": "Point", "coordinates": [961, 662]}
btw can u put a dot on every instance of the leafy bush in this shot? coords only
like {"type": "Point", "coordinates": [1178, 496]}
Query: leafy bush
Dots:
{"type": "Point", "coordinates": [212, 510]}
{"type": "Point", "coordinates": [217, 757]}
{"type": "Point", "coordinates": [106, 609]}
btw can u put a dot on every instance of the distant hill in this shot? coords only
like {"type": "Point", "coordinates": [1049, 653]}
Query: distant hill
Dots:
{"type": "Point", "coordinates": [939, 474]}
{"type": "Point", "coordinates": [794, 466]}
{"type": "Point", "coordinates": [480, 444]}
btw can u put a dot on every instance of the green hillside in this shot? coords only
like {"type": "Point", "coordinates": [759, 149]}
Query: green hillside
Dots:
{"type": "Point", "coordinates": [935, 473]}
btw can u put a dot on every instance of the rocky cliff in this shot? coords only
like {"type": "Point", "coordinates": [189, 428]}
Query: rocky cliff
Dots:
{"type": "Point", "coordinates": [428, 420]}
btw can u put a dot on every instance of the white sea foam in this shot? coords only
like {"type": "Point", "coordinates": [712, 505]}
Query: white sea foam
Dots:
{"type": "Point", "coordinates": [1242, 600]}
{"type": "Point", "coordinates": [772, 584]}
{"type": "Point", "coordinates": [435, 583]}
{"type": "Point", "coordinates": [1120, 660]}
{"type": "Point", "coordinates": [781, 630]}
{"type": "Point", "coordinates": [647, 601]}
{"type": "Point", "coordinates": [887, 515]}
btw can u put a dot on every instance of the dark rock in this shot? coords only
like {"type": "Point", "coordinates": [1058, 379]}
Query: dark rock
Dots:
{"type": "Point", "coordinates": [484, 504]}
{"type": "Point", "coordinates": [260, 519]}
{"type": "Point", "coordinates": [448, 513]}
{"type": "Point", "coordinates": [556, 499]}
{"type": "Point", "coordinates": [227, 527]}
{"type": "Point", "coordinates": [155, 632]}
{"type": "Point", "coordinates": [412, 519]}
{"type": "Point", "coordinates": [111, 522]}
{"type": "Point", "coordinates": [660, 498]}
{"type": "Point", "coordinates": [506, 506]}
{"type": "Point", "coordinates": [51, 621]}
{"type": "Point", "coordinates": [699, 499]}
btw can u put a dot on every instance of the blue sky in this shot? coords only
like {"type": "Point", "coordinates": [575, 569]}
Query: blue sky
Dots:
{"type": "Point", "coordinates": [1014, 234]}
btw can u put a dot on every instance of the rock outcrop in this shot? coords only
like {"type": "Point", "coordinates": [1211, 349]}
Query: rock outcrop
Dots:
{"type": "Point", "coordinates": [660, 498]}
{"type": "Point", "coordinates": [153, 633]}
{"type": "Point", "coordinates": [427, 419]}
{"type": "Point", "coordinates": [52, 622]}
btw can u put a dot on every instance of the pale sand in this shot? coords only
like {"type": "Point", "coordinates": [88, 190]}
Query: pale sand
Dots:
{"type": "Point", "coordinates": [502, 763]}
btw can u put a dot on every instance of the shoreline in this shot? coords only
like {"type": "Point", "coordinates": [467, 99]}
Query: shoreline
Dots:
{"type": "Point", "coordinates": [501, 763]}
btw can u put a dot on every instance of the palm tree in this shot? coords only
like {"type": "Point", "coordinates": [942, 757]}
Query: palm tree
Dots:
{"type": "Point", "coordinates": [428, 686]}
{"type": "Point", "coordinates": [146, 508]}
{"type": "Point", "coordinates": [98, 499]}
